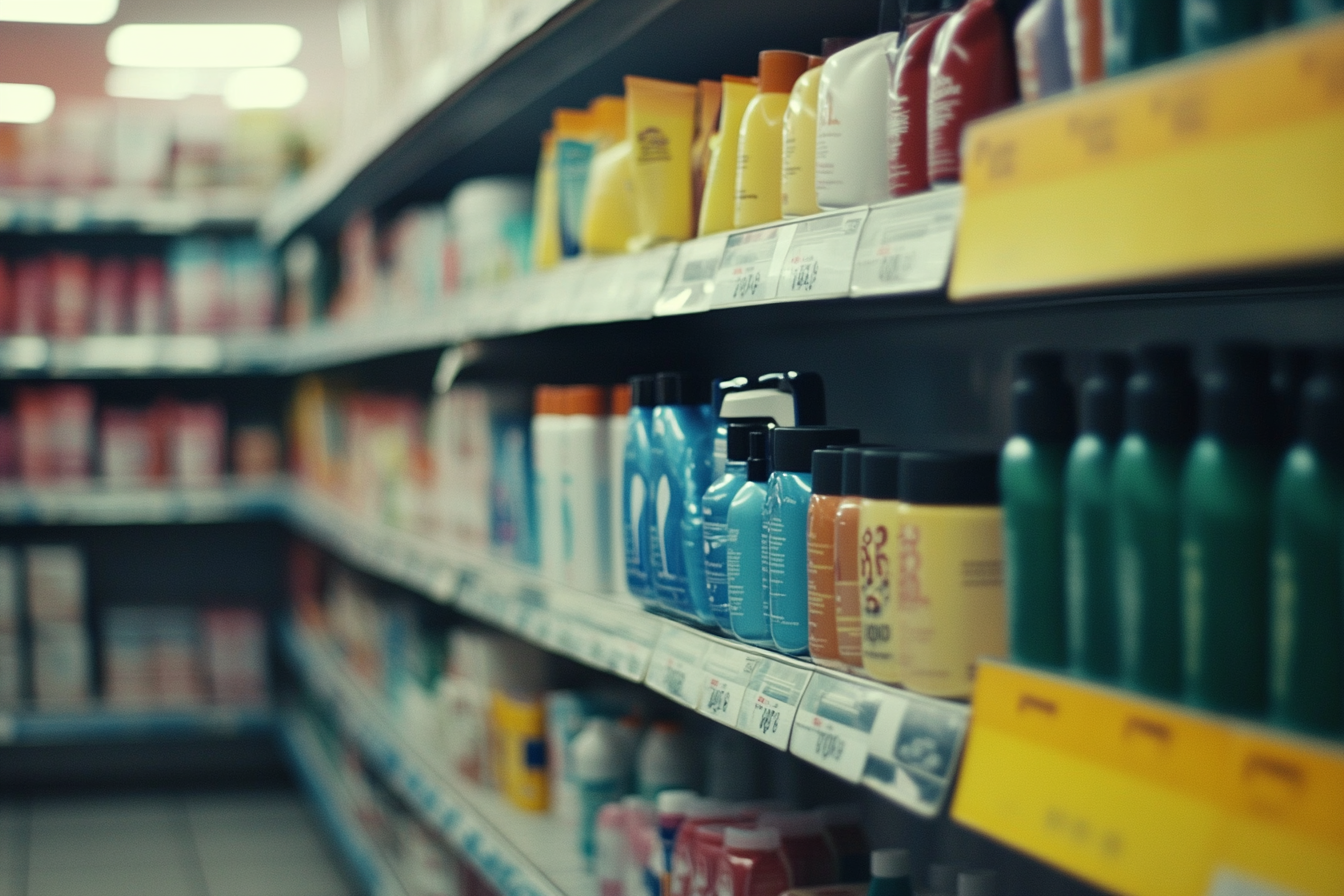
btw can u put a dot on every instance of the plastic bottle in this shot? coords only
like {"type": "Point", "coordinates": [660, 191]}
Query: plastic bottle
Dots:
{"type": "Point", "coordinates": [1031, 478]}
{"type": "Point", "coordinates": [1089, 545]}
{"type": "Point", "coordinates": [716, 207]}
{"type": "Point", "coordinates": [601, 768]}
{"type": "Point", "coordinates": [612, 847]}
{"type": "Point", "coordinates": [908, 107]}
{"type": "Point", "coordinates": [548, 473]}
{"type": "Point", "coordinates": [1085, 27]}
{"type": "Point", "coordinates": [822, 638]}
{"type": "Point", "coordinates": [672, 808]}
{"type": "Point", "coordinates": [877, 562]}
{"type": "Point", "coordinates": [787, 497]}
{"type": "Point", "coordinates": [760, 142]}
{"type": "Point", "coordinates": [681, 443]}
{"type": "Point", "coordinates": [719, 390]}
{"type": "Point", "coordinates": [1042, 48]}
{"type": "Point", "coordinates": [798, 167]}
{"type": "Point", "coordinates": [1140, 33]}
{"type": "Point", "coordinates": [752, 863]}
{"type": "Point", "coordinates": [705, 859]}
{"type": "Point", "coordinates": [587, 489]}
{"type": "Point", "coordinates": [807, 850]}
{"type": "Point", "coordinates": [718, 498]}
{"type": "Point", "coordinates": [617, 432]}
{"type": "Point", "coordinates": [844, 827]}
{"type": "Point", "coordinates": [891, 873]}
{"type": "Point", "coordinates": [1225, 506]}
{"type": "Point", "coordinates": [851, 124]}
{"type": "Point", "coordinates": [701, 813]}
{"type": "Point", "coordinates": [1307, 626]}
{"type": "Point", "coordinates": [1206, 24]}
{"type": "Point", "coordinates": [666, 760]}
{"type": "Point", "coordinates": [1160, 411]}
{"type": "Point", "coordinates": [637, 489]}
{"type": "Point", "coordinates": [848, 601]}
{"type": "Point", "coordinates": [747, 607]}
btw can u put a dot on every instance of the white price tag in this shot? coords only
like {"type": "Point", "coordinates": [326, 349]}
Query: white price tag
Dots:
{"type": "Point", "coordinates": [749, 271]}
{"type": "Point", "coordinates": [689, 285]}
{"type": "Point", "coordinates": [646, 274]}
{"type": "Point", "coordinates": [603, 291]}
{"type": "Point", "coordinates": [676, 668]}
{"type": "Point", "coordinates": [728, 672]}
{"type": "Point", "coordinates": [837, 748]}
{"type": "Point", "coordinates": [771, 702]}
{"type": "Point", "coordinates": [820, 260]}
{"type": "Point", "coordinates": [906, 246]}
{"type": "Point", "coordinates": [915, 744]}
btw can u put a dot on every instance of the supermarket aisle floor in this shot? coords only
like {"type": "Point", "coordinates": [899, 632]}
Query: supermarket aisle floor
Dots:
{"type": "Point", "coordinates": [249, 844]}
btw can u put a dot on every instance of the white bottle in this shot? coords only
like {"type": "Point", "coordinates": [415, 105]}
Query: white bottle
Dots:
{"type": "Point", "coordinates": [548, 466]}
{"type": "Point", "coordinates": [601, 766]}
{"type": "Point", "coordinates": [618, 425]}
{"type": "Point", "coordinates": [586, 488]}
{"type": "Point", "coordinates": [851, 125]}
{"type": "Point", "coordinates": [977, 883]}
{"type": "Point", "coordinates": [666, 761]}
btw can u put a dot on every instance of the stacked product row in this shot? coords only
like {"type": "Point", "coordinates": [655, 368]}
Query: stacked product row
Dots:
{"type": "Point", "coordinates": [205, 286]}
{"type": "Point", "coordinates": [1185, 540]}
{"type": "Point", "coordinates": [57, 435]}
{"type": "Point", "coordinates": [151, 656]}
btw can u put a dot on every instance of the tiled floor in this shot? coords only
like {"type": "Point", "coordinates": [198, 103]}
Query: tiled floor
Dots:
{"type": "Point", "coordinates": [250, 844]}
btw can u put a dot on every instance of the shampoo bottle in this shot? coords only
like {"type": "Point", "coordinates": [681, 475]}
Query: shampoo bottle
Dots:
{"type": "Point", "coordinates": [1307, 626]}
{"type": "Point", "coordinates": [798, 168]}
{"type": "Point", "coordinates": [1145, 490]}
{"type": "Point", "coordinates": [718, 498]}
{"type": "Point", "coordinates": [718, 202]}
{"type": "Point", "coordinates": [601, 768]}
{"type": "Point", "coordinates": [908, 108]}
{"type": "Point", "coordinates": [617, 428]}
{"type": "Point", "coordinates": [877, 563]}
{"type": "Point", "coordinates": [1089, 573]}
{"type": "Point", "coordinates": [1225, 506]}
{"type": "Point", "coordinates": [586, 487]}
{"type": "Point", "coordinates": [747, 610]}
{"type": "Point", "coordinates": [636, 489]}
{"type": "Point", "coordinates": [851, 125]}
{"type": "Point", "coordinates": [1031, 478]}
{"type": "Point", "coordinates": [548, 471]}
{"type": "Point", "coordinates": [822, 638]}
{"type": "Point", "coordinates": [848, 600]}
{"type": "Point", "coordinates": [891, 873]}
{"type": "Point", "coordinates": [682, 448]}
{"type": "Point", "coordinates": [760, 142]}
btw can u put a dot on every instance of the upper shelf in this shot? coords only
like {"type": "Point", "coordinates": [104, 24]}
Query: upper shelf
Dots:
{"type": "Point", "coordinates": [39, 211]}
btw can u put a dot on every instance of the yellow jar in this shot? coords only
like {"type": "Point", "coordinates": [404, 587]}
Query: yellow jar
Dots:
{"type": "Point", "coordinates": [520, 750]}
{"type": "Point", "coordinates": [878, 518]}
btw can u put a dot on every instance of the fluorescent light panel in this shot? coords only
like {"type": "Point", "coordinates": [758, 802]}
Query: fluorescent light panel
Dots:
{"type": "Point", "coordinates": [265, 88]}
{"type": "Point", "coordinates": [58, 12]}
{"type": "Point", "coordinates": [203, 46]}
{"type": "Point", "coordinates": [26, 103]}
{"type": "Point", "coordinates": [150, 83]}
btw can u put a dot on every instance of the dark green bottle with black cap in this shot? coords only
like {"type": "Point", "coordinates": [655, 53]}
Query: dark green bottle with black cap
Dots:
{"type": "Point", "coordinates": [1160, 408]}
{"type": "Point", "coordinates": [1225, 508]}
{"type": "Point", "coordinates": [1089, 548]}
{"type": "Point", "coordinates": [1306, 647]}
{"type": "Point", "coordinates": [1031, 481]}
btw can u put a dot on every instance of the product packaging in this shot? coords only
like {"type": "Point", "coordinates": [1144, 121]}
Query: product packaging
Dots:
{"type": "Point", "coordinates": [717, 203]}
{"type": "Point", "coordinates": [798, 167]}
{"type": "Point", "coordinates": [748, 550]}
{"type": "Point", "coordinates": [878, 564]}
{"type": "Point", "coordinates": [908, 108]}
{"type": "Point", "coordinates": [822, 637]}
{"type": "Point", "coordinates": [708, 105]}
{"type": "Point", "coordinates": [609, 221]}
{"type": "Point", "coordinates": [575, 144]}
{"type": "Point", "coordinates": [851, 154]}
{"type": "Point", "coordinates": [520, 750]}
{"type": "Point", "coordinates": [714, 506]}
{"type": "Point", "coordinates": [585, 489]}
{"type": "Point", "coordinates": [807, 849]}
{"type": "Point", "coordinates": [661, 125]}
{"type": "Point", "coordinates": [71, 295]}
{"type": "Point", "coordinates": [891, 873]}
{"type": "Point", "coordinates": [760, 141]}
{"type": "Point", "coordinates": [1042, 44]}
{"type": "Point", "coordinates": [490, 219]}
{"type": "Point", "coordinates": [617, 431]}
{"type": "Point", "coordinates": [636, 490]}
{"type": "Point", "coordinates": [665, 761]}
{"type": "Point", "coordinates": [753, 863]}
{"type": "Point", "coordinates": [848, 599]}
{"type": "Point", "coordinates": [548, 471]}
{"type": "Point", "coordinates": [681, 443]}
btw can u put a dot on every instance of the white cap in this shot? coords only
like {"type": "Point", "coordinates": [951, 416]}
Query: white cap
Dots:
{"type": "Point", "coordinates": [943, 879]}
{"type": "Point", "coordinates": [889, 863]}
{"type": "Point", "coordinates": [676, 802]}
{"type": "Point", "coordinates": [751, 838]}
{"type": "Point", "coordinates": [976, 883]}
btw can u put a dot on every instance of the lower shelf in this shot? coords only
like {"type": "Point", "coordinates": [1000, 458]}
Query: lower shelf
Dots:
{"type": "Point", "coordinates": [93, 725]}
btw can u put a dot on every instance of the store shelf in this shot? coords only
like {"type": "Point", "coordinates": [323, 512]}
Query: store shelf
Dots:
{"type": "Point", "coordinates": [328, 795]}
{"type": "Point", "coordinates": [521, 854]}
{"type": "Point", "coordinates": [94, 504]}
{"type": "Point", "coordinates": [128, 210]}
{"type": "Point", "coordinates": [1148, 798]}
{"type": "Point", "coordinates": [97, 725]}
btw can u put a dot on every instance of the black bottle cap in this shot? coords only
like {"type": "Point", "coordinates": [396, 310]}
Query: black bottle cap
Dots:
{"type": "Point", "coordinates": [793, 445]}
{"type": "Point", "coordinates": [739, 437]}
{"type": "Point", "coordinates": [758, 467]}
{"type": "Point", "coordinates": [851, 476]}
{"type": "Point", "coordinates": [949, 477]}
{"type": "Point", "coordinates": [827, 464]}
{"type": "Point", "coordinates": [1292, 365]}
{"type": "Point", "coordinates": [1160, 401]}
{"type": "Point", "coordinates": [1323, 405]}
{"type": "Point", "coordinates": [881, 473]}
{"type": "Point", "coordinates": [1103, 395]}
{"type": "Point", "coordinates": [1236, 404]}
{"type": "Point", "coordinates": [681, 389]}
{"type": "Point", "coordinates": [642, 393]}
{"type": "Point", "coordinates": [1042, 400]}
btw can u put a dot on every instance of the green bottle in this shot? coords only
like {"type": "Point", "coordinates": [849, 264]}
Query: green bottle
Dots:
{"type": "Point", "coordinates": [1225, 505]}
{"type": "Point", "coordinates": [1140, 33]}
{"type": "Point", "coordinates": [1145, 495]}
{"type": "Point", "coordinates": [1031, 480]}
{"type": "Point", "coordinates": [1211, 23]}
{"type": "Point", "coordinates": [1089, 570]}
{"type": "Point", "coordinates": [1306, 648]}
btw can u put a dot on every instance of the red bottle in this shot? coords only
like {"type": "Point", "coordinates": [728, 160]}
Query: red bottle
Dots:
{"type": "Point", "coordinates": [807, 849]}
{"type": "Point", "coordinates": [752, 863]}
{"type": "Point", "coordinates": [908, 109]}
{"type": "Point", "coordinates": [705, 859]}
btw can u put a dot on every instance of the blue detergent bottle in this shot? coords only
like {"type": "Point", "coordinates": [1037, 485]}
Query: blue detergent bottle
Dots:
{"type": "Point", "coordinates": [747, 610]}
{"type": "Point", "coordinates": [636, 489]}
{"type": "Point", "coordinates": [681, 445]}
{"type": "Point", "coordinates": [718, 498]}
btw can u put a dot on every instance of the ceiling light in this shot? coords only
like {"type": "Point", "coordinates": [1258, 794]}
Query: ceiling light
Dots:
{"type": "Point", "coordinates": [59, 12]}
{"type": "Point", "coordinates": [150, 83]}
{"type": "Point", "coordinates": [203, 46]}
{"type": "Point", "coordinates": [265, 88]}
{"type": "Point", "coordinates": [26, 103]}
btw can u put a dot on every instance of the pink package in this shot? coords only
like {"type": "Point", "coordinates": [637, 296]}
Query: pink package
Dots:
{"type": "Point", "coordinates": [126, 447]}
{"type": "Point", "coordinates": [55, 433]}
{"type": "Point", "coordinates": [71, 289]}
{"type": "Point", "coordinates": [196, 444]}
{"type": "Point", "coordinates": [235, 656]}
{"type": "Point", "coordinates": [111, 295]}
{"type": "Point", "coordinates": [32, 288]}
{"type": "Point", "coordinates": [147, 296]}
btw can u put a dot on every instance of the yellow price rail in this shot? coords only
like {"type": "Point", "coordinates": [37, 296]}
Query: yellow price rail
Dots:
{"type": "Point", "coordinates": [1148, 798]}
{"type": "Point", "coordinates": [1229, 161]}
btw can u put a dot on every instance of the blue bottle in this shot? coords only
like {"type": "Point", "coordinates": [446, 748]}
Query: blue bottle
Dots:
{"type": "Point", "coordinates": [636, 490]}
{"type": "Point", "coordinates": [681, 444]}
{"type": "Point", "coordinates": [788, 494]}
{"type": "Point", "coordinates": [718, 497]}
{"type": "Point", "coordinates": [747, 610]}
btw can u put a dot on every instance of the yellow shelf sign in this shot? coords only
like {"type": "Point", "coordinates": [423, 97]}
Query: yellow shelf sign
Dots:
{"type": "Point", "coordinates": [1229, 161]}
{"type": "Point", "coordinates": [1147, 798]}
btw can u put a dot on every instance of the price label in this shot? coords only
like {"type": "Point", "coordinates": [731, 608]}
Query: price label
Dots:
{"type": "Point", "coordinates": [835, 722]}
{"type": "Point", "coordinates": [820, 259]}
{"type": "Point", "coordinates": [603, 291]}
{"type": "Point", "coordinates": [676, 668]}
{"type": "Point", "coordinates": [728, 672]}
{"type": "Point", "coordinates": [771, 702]}
{"type": "Point", "coordinates": [749, 271]}
{"type": "Point", "coordinates": [906, 246]}
{"type": "Point", "coordinates": [915, 743]}
{"type": "Point", "coordinates": [645, 276]}
{"type": "Point", "coordinates": [690, 283]}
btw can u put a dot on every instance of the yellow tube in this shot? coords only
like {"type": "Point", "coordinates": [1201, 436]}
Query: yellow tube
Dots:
{"type": "Point", "coordinates": [716, 206]}
{"type": "Point", "coordinates": [760, 142]}
{"type": "Point", "coordinates": [798, 191]}
{"type": "Point", "coordinates": [706, 121]}
{"type": "Point", "coordinates": [609, 207]}
{"type": "Point", "coordinates": [546, 208]}
{"type": "Point", "coordinates": [607, 114]}
{"type": "Point", "coordinates": [660, 119]}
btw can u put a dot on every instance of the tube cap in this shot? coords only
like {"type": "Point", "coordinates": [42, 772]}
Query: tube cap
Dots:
{"type": "Point", "coordinates": [890, 863]}
{"type": "Point", "coordinates": [642, 392]}
{"type": "Point", "coordinates": [949, 478]}
{"type": "Point", "coordinates": [751, 838]}
{"type": "Point", "coordinates": [590, 401]}
{"type": "Point", "coordinates": [1322, 417]}
{"type": "Point", "coordinates": [1236, 404]}
{"type": "Point", "coordinates": [1042, 399]}
{"type": "Point", "coordinates": [880, 475]}
{"type": "Point", "coordinates": [1103, 395]}
{"type": "Point", "coordinates": [739, 437]}
{"type": "Point", "coordinates": [1160, 401]}
{"type": "Point", "coordinates": [778, 69]}
{"type": "Point", "coordinates": [827, 471]}
{"type": "Point", "coordinates": [793, 445]}
{"type": "Point", "coordinates": [758, 466]}
{"type": "Point", "coordinates": [620, 400]}
{"type": "Point", "coordinates": [680, 389]}
{"type": "Point", "coordinates": [976, 883]}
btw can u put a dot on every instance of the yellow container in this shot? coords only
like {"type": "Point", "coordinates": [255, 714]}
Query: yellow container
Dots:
{"type": "Point", "coordinates": [716, 206]}
{"type": "Point", "coordinates": [546, 208]}
{"type": "Point", "coordinates": [760, 142]}
{"type": "Point", "coordinates": [878, 519]}
{"type": "Point", "coordinates": [661, 125]}
{"type": "Point", "coordinates": [520, 750]}
{"type": "Point", "coordinates": [798, 189]}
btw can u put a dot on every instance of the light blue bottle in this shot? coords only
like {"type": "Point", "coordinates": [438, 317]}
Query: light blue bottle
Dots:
{"type": "Point", "coordinates": [699, 473]}
{"type": "Point", "coordinates": [637, 499]}
{"type": "Point", "coordinates": [681, 444]}
{"type": "Point", "coordinates": [718, 497]}
{"type": "Point", "coordinates": [788, 494]}
{"type": "Point", "coordinates": [748, 613]}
